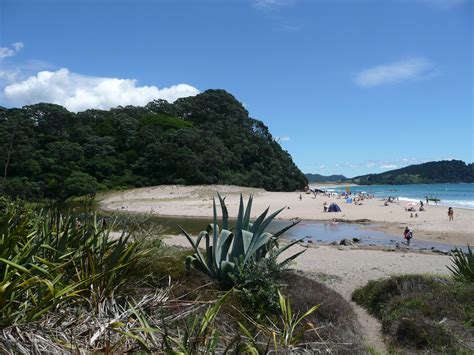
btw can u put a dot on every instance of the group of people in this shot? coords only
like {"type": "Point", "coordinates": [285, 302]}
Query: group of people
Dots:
{"type": "Point", "coordinates": [408, 233]}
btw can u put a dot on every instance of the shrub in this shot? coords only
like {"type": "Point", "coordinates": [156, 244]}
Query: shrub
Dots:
{"type": "Point", "coordinates": [256, 286]}
{"type": "Point", "coordinates": [463, 265]}
{"type": "Point", "coordinates": [422, 312]}
{"type": "Point", "coordinates": [47, 260]}
{"type": "Point", "coordinates": [246, 243]}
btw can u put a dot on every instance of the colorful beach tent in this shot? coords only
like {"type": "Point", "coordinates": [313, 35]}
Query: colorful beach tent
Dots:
{"type": "Point", "coordinates": [334, 208]}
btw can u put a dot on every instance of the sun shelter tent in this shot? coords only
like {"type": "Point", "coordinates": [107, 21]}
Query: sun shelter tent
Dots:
{"type": "Point", "coordinates": [333, 207]}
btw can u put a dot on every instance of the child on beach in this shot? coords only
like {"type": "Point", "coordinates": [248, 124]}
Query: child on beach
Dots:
{"type": "Point", "coordinates": [450, 213]}
{"type": "Point", "coordinates": [408, 235]}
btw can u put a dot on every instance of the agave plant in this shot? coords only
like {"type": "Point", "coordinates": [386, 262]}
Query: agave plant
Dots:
{"type": "Point", "coordinates": [247, 242]}
{"type": "Point", "coordinates": [463, 264]}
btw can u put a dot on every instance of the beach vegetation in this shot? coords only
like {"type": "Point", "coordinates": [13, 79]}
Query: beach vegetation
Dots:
{"type": "Point", "coordinates": [462, 264]}
{"type": "Point", "coordinates": [79, 284]}
{"type": "Point", "coordinates": [229, 249]}
{"type": "Point", "coordinates": [422, 313]}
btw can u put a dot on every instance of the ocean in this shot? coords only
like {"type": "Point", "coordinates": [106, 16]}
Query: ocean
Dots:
{"type": "Point", "coordinates": [453, 195]}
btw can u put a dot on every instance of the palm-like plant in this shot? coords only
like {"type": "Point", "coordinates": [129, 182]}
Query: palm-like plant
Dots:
{"type": "Point", "coordinates": [463, 264]}
{"type": "Point", "coordinates": [247, 242]}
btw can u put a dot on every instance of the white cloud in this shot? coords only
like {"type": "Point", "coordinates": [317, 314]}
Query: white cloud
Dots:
{"type": "Point", "coordinates": [6, 52]}
{"type": "Point", "coordinates": [388, 166]}
{"type": "Point", "coordinates": [270, 4]}
{"type": "Point", "coordinates": [8, 75]}
{"type": "Point", "coordinates": [394, 72]}
{"type": "Point", "coordinates": [18, 46]}
{"type": "Point", "coordinates": [10, 52]}
{"type": "Point", "coordinates": [322, 166]}
{"type": "Point", "coordinates": [285, 139]}
{"type": "Point", "coordinates": [79, 92]}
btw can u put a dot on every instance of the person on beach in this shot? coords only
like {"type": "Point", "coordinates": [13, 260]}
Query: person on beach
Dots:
{"type": "Point", "coordinates": [407, 234]}
{"type": "Point", "coordinates": [450, 213]}
{"type": "Point", "coordinates": [325, 206]}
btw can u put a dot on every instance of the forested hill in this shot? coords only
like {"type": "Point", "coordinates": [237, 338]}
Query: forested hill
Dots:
{"type": "Point", "coordinates": [322, 178]}
{"type": "Point", "coordinates": [47, 151]}
{"type": "Point", "coordinates": [427, 173]}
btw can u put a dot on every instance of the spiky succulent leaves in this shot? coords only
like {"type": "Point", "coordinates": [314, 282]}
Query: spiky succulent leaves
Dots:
{"type": "Point", "coordinates": [247, 239]}
{"type": "Point", "coordinates": [256, 225]}
{"type": "Point", "coordinates": [238, 245]}
{"type": "Point", "coordinates": [294, 256]}
{"type": "Point", "coordinates": [225, 242]}
{"type": "Point", "coordinates": [462, 264]}
{"type": "Point", "coordinates": [197, 253]}
{"type": "Point", "coordinates": [225, 213]}
{"type": "Point", "coordinates": [248, 210]}
{"type": "Point", "coordinates": [261, 237]}
{"type": "Point", "coordinates": [215, 234]}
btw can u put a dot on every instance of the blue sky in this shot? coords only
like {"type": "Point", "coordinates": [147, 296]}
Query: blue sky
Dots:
{"type": "Point", "coordinates": [348, 86]}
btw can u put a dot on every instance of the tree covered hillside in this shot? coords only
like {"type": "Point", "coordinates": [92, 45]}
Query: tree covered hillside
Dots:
{"type": "Point", "coordinates": [427, 173]}
{"type": "Point", "coordinates": [325, 178]}
{"type": "Point", "coordinates": [47, 151]}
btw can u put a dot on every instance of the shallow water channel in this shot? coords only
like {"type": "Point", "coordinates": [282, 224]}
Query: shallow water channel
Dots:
{"type": "Point", "coordinates": [317, 232]}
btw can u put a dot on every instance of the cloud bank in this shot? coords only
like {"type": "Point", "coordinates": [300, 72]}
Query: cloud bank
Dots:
{"type": "Point", "coordinates": [6, 52]}
{"type": "Point", "coordinates": [394, 72]}
{"type": "Point", "coordinates": [79, 92]}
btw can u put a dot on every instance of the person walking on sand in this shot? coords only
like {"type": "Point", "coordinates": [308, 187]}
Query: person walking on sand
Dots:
{"type": "Point", "coordinates": [450, 213]}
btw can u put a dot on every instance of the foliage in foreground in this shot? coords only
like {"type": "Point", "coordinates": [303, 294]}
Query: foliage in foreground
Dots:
{"type": "Point", "coordinates": [246, 243]}
{"type": "Point", "coordinates": [463, 265]}
{"type": "Point", "coordinates": [72, 290]}
{"type": "Point", "coordinates": [422, 313]}
{"type": "Point", "coordinates": [47, 260]}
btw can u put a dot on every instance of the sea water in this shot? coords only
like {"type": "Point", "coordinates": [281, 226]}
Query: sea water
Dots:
{"type": "Point", "coordinates": [453, 195]}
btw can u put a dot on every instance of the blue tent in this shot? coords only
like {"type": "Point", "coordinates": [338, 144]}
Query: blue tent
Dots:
{"type": "Point", "coordinates": [349, 200]}
{"type": "Point", "coordinates": [334, 208]}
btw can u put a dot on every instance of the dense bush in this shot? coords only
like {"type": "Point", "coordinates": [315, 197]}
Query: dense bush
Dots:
{"type": "Point", "coordinates": [444, 171]}
{"type": "Point", "coordinates": [47, 260]}
{"type": "Point", "coordinates": [422, 312]}
{"type": "Point", "coordinates": [47, 151]}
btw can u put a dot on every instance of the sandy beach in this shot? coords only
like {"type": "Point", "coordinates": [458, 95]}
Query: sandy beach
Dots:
{"type": "Point", "coordinates": [196, 201]}
{"type": "Point", "coordinates": [343, 268]}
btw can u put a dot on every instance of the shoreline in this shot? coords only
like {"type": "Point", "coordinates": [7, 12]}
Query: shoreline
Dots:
{"type": "Point", "coordinates": [195, 202]}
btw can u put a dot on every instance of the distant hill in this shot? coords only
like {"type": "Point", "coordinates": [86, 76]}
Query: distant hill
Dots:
{"type": "Point", "coordinates": [444, 171]}
{"type": "Point", "coordinates": [321, 178]}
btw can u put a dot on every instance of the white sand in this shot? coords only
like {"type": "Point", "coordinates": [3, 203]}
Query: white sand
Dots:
{"type": "Point", "coordinates": [196, 201]}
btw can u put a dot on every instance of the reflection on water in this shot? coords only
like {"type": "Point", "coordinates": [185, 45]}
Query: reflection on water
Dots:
{"type": "Point", "coordinates": [319, 232]}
